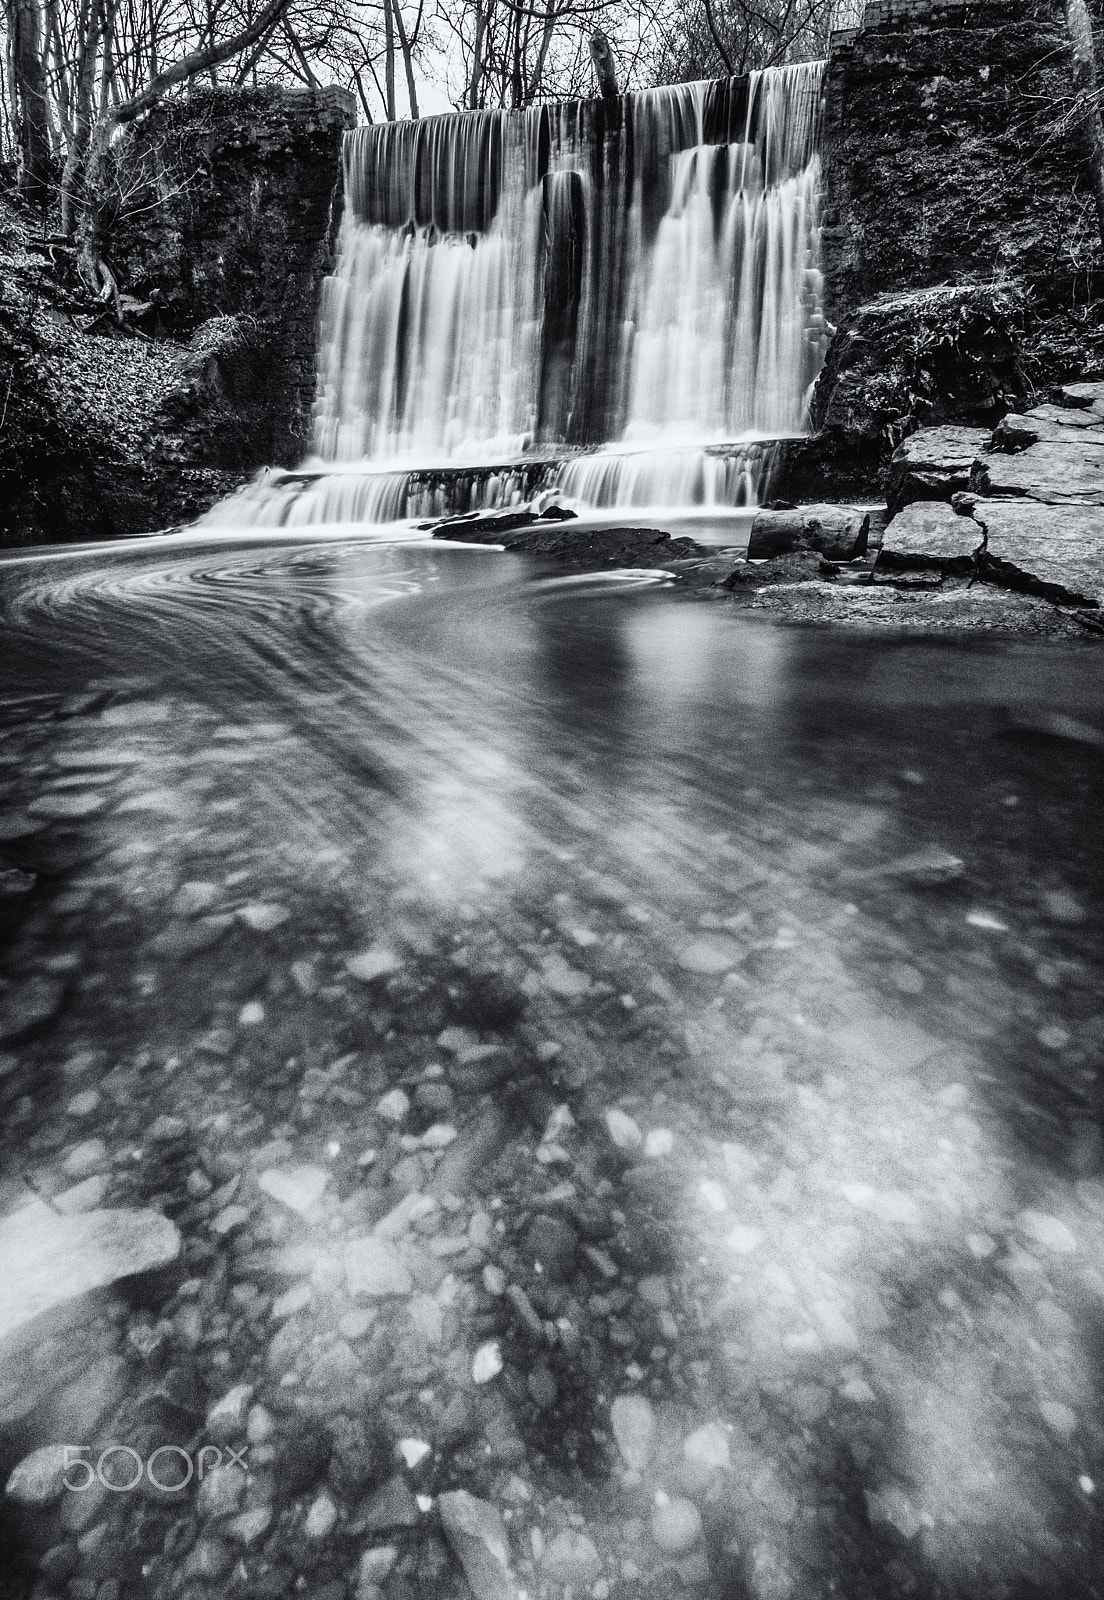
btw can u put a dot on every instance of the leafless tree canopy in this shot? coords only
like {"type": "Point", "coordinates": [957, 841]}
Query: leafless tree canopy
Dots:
{"type": "Point", "coordinates": [76, 70]}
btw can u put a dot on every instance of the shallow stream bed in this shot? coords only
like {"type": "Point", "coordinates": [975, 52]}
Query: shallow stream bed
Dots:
{"type": "Point", "coordinates": [631, 1061]}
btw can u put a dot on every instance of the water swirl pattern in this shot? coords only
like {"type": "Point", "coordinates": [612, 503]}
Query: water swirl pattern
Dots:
{"type": "Point", "coordinates": [754, 971]}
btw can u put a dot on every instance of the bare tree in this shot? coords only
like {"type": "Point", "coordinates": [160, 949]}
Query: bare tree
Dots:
{"type": "Point", "coordinates": [707, 38]}
{"type": "Point", "coordinates": [28, 95]}
{"type": "Point", "coordinates": [1083, 61]}
{"type": "Point", "coordinates": [517, 51]}
{"type": "Point", "coordinates": [605, 69]}
{"type": "Point", "coordinates": [95, 217]}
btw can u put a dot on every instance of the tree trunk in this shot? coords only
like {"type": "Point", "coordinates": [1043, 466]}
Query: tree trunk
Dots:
{"type": "Point", "coordinates": [82, 116]}
{"type": "Point", "coordinates": [32, 118]}
{"type": "Point", "coordinates": [52, 43]}
{"type": "Point", "coordinates": [542, 54]}
{"type": "Point", "coordinates": [605, 68]}
{"type": "Point", "coordinates": [475, 82]}
{"type": "Point", "coordinates": [389, 59]}
{"type": "Point", "coordinates": [716, 37]}
{"type": "Point", "coordinates": [407, 51]}
{"type": "Point", "coordinates": [1083, 53]}
{"type": "Point", "coordinates": [97, 215]}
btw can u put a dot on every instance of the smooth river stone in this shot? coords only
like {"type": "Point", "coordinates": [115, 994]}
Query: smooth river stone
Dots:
{"type": "Point", "coordinates": [376, 962]}
{"type": "Point", "coordinates": [66, 805]}
{"type": "Point", "coordinates": [475, 1530]}
{"type": "Point", "coordinates": [28, 1005]}
{"type": "Point", "coordinates": [39, 1479]}
{"type": "Point", "coordinates": [373, 1267]}
{"type": "Point", "coordinates": [298, 1188]}
{"type": "Point", "coordinates": [47, 1260]}
{"type": "Point", "coordinates": [634, 1427]}
{"type": "Point", "coordinates": [709, 957]}
{"type": "Point", "coordinates": [676, 1525]}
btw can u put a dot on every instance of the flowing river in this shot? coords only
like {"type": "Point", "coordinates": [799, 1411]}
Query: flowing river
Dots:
{"type": "Point", "coordinates": [699, 1019]}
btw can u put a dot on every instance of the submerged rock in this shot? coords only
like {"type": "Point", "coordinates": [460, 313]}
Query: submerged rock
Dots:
{"type": "Point", "coordinates": [676, 1525]}
{"type": "Point", "coordinates": [29, 1005]}
{"type": "Point", "coordinates": [634, 1428]}
{"type": "Point", "coordinates": [487, 1362]}
{"type": "Point", "coordinates": [928, 868]}
{"type": "Point", "coordinates": [709, 957]}
{"type": "Point", "coordinates": [47, 1260]}
{"type": "Point", "coordinates": [477, 1535]}
{"type": "Point", "coordinates": [553, 1243]}
{"type": "Point", "coordinates": [1046, 1231]}
{"type": "Point", "coordinates": [376, 962]}
{"type": "Point", "coordinates": [571, 1558]}
{"type": "Point", "coordinates": [891, 1507]}
{"type": "Point", "coordinates": [374, 1268]}
{"type": "Point", "coordinates": [391, 1506]}
{"type": "Point", "coordinates": [298, 1188]}
{"type": "Point", "coordinates": [623, 1129]}
{"type": "Point", "coordinates": [39, 1479]}
{"type": "Point", "coordinates": [193, 898]}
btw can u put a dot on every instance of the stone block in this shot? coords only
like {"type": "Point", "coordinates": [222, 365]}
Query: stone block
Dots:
{"type": "Point", "coordinates": [1054, 551]}
{"type": "Point", "coordinates": [1081, 396]}
{"type": "Point", "coordinates": [929, 533]}
{"type": "Point", "coordinates": [934, 463]}
{"type": "Point", "coordinates": [1015, 432]}
{"type": "Point", "coordinates": [838, 532]}
{"type": "Point", "coordinates": [1054, 474]}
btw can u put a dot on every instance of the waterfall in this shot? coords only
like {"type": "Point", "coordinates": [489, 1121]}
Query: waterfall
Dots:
{"type": "Point", "coordinates": [618, 299]}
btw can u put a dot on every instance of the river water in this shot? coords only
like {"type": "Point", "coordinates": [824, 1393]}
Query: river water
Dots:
{"type": "Point", "coordinates": [741, 986]}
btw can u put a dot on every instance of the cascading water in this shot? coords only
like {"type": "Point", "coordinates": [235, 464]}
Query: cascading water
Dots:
{"type": "Point", "coordinates": [620, 300]}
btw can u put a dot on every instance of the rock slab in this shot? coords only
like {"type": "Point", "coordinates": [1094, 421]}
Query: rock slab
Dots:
{"type": "Point", "coordinates": [1055, 474]}
{"type": "Point", "coordinates": [47, 1260]}
{"type": "Point", "coordinates": [1047, 425]}
{"type": "Point", "coordinates": [933, 464]}
{"type": "Point", "coordinates": [1053, 551]}
{"type": "Point", "coordinates": [929, 533]}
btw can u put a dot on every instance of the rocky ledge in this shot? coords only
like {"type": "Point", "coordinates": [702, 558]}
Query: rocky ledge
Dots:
{"type": "Point", "coordinates": [1022, 506]}
{"type": "Point", "coordinates": [987, 529]}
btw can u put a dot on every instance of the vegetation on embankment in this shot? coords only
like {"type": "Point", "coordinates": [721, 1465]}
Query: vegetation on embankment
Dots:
{"type": "Point", "coordinates": [124, 416]}
{"type": "Point", "coordinates": [86, 411]}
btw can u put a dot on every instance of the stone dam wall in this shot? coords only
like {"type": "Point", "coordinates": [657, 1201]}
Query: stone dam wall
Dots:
{"type": "Point", "coordinates": [959, 247]}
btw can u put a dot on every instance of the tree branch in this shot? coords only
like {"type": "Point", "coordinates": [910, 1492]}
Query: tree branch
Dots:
{"type": "Point", "coordinates": [211, 55]}
{"type": "Point", "coordinates": [721, 51]}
